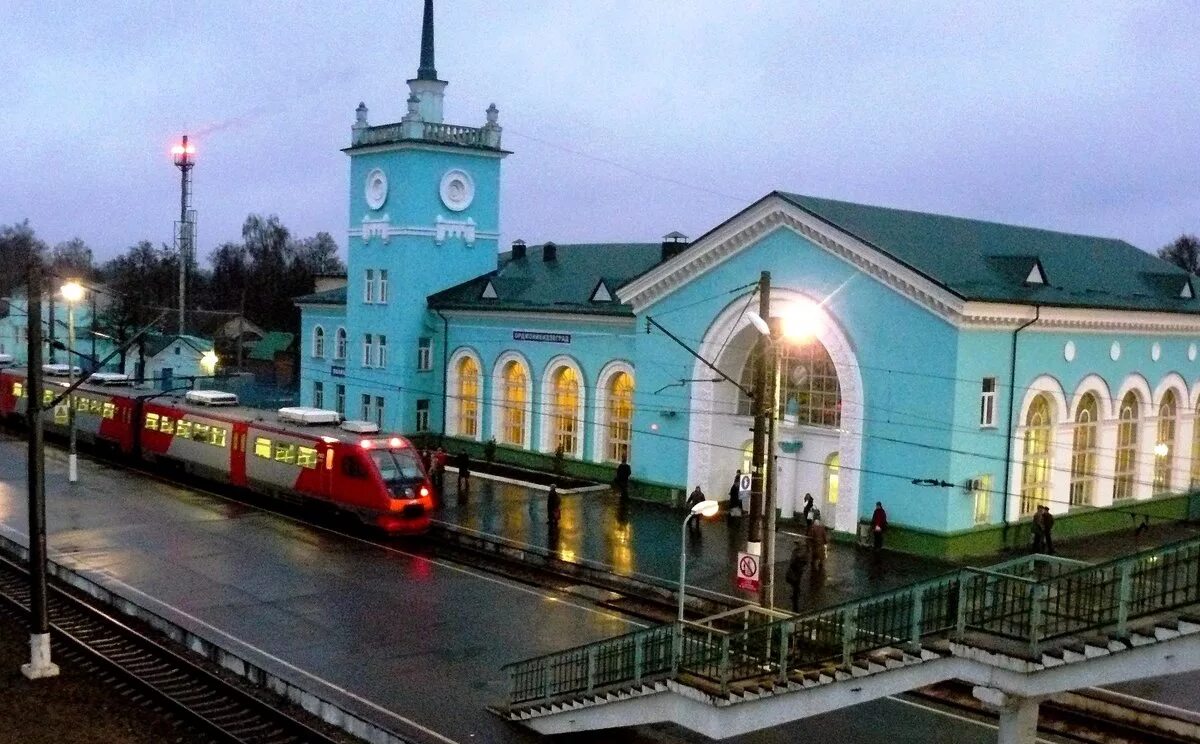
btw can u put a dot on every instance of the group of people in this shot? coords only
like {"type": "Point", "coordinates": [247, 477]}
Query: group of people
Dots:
{"type": "Point", "coordinates": [435, 464]}
{"type": "Point", "coordinates": [1043, 528]}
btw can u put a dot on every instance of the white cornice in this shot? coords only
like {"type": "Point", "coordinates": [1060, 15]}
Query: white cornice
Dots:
{"type": "Point", "coordinates": [426, 147]}
{"type": "Point", "coordinates": [773, 213]}
{"type": "Point", "coordinates": [420, 232]}
{"type": "Point", "coordinates": [583, 318]}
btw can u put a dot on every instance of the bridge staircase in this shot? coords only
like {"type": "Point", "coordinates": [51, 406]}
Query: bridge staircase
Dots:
{"type": "Point", "coordinates": [1018, 631]}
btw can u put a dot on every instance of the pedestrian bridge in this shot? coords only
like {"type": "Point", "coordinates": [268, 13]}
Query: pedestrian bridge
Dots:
{"type": "Point", "coordinates": [1019, 631]}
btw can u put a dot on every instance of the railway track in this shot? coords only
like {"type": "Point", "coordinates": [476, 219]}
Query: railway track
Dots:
{"type": "Point", "coordinates": [150, 672]}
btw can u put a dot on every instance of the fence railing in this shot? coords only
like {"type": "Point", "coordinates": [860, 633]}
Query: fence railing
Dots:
{"type": "Point", "coordinates": [1031, 600]}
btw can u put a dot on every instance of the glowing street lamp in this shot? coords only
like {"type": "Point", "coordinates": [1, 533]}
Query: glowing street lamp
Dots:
{"type": "Point", "coordinates": [208, 362]}
{"type": "Point", "coordinates": [72, 292]}
{"type": "Point", "coordinates": [703, 509]}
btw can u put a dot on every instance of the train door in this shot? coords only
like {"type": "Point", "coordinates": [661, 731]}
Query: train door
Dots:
{"type": "Point", "coordinates": [237, 454]}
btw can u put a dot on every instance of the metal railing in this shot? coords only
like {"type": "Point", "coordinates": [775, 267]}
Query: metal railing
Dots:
{"type": "Point", "coordinates": [429, 132]}
{"type": "Point", "coordinates": [1031, 600]}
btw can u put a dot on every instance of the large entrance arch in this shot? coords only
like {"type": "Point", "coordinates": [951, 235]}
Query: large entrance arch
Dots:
{"type": "Point", "coordinates": [718, 424]}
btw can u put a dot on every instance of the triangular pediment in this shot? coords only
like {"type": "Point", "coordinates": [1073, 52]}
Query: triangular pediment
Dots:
{"type": "Point", "coordinates": [489, 292]}
{"type": "Point", "coordinates": [1036, 274]}
{"type": "Point", "coordinates": [601, 293]}
{"type": "Point", "coordinates": [1187, 292]}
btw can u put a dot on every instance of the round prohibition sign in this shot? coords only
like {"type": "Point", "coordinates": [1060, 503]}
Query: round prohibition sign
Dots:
{"type": "Point", "coordinates": [748, 566]}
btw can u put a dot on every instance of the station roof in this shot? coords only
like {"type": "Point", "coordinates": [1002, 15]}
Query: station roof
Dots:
{"type": "Point", "coordinates": [336, 296]}
{"type": "Point", "coordinates": [993, 262]}
{"type": "Point", "coordinates": [157, 342]}
{"type": "Point", "coordinates": [580, 279]}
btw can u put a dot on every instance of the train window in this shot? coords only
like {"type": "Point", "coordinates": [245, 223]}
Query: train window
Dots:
{"type": "Point", "coordinates": [285, 453]}
{"type": "Point", "coordinates": [109, 410]}
{"type": "Point", "coordinates": [329, 459]}
{"type": "Point", "coordinates": [61, 414]}
{"type": "Point", "coordinates": [353, 468]}
{"type": "Point", "coordinates": [183, 429]}
{"type": "Point", "coordinates": [216, 436]}
{"type": "Point", "coordinates": [47, 396]}
{"type": "Point", "coordinates": [306, 457]}
{"type": "Point", "coordinates": [167, 425]}
{"type": "Point", "coordinates": [200, 432]}
{"type": "Point", "coordinates": [152, 421]}
{"type": "Point", "coordinates": [262, 447]}
{"type": "Point", "coordinates": [18, 390]}
{"type": "Point", "coordinates": [95, 406]}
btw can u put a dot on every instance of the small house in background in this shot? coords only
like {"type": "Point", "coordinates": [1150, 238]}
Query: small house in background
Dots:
{"type": "Point", "coordinates": [232, 333]}
{"type": "Point", "coordinates": [167, 360]}
{"type": "Point", "coordinates": [273, 358]}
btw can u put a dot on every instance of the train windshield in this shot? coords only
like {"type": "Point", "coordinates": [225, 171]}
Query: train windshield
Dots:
{"type": "Point", "coordinates": [397, 465]}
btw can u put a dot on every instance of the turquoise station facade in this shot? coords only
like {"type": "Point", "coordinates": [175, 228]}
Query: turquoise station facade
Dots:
{"type": "Point", "coordinates": [959, 371]}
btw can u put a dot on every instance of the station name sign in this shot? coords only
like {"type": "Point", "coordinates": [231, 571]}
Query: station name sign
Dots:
{"type": "Point", "coordinates": [542, 337]}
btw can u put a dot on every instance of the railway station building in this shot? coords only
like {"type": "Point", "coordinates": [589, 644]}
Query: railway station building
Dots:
{"type": "Point", "coordinates": [961, 372]}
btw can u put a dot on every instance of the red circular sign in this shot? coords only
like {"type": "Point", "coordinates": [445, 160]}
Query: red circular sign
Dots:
{"type": "Point", "coordinates": [748, 566]}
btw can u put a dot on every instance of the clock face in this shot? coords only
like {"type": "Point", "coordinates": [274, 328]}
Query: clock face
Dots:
{"type": "Point", "coordinates": [457, 190]}
{"type": "Point", "coordinates": [376, 189]}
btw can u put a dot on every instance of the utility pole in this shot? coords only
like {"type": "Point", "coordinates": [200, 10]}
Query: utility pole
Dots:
{"type": "Point", "coordinates": [184, 161]}
{"type": "Point", "coordinates": [39, 665]}
{"type": "Point", "coordinates": [758, 450]}
{"type": "Point", "coordinates": [767, 598]}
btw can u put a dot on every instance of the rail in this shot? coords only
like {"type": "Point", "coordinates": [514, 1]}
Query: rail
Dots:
{"type": "Point", "coordinates": [451, 134]}
{"type": "Point", "coordinates": [1032, 600]}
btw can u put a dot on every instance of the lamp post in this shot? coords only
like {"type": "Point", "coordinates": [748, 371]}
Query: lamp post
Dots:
{"type": "Point", "coordinates": [703, 509]}
{"type": "Point", "coordinates": [72, 292]}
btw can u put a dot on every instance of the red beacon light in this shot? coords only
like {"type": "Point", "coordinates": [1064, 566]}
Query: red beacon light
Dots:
{"type": "Point", "coordinates": [184, 152]}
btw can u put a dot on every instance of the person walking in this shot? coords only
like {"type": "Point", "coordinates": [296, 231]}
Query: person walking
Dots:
{"type": "Point", "coordinates": [694, 519]}
{"type": "Point", "coordinates": [795, 572]}
{"type": "Point", "coordinates": [463, 463]}
{"type": "Point", "coordinates": [553, 504]}
{"type": "Point", "coordinates": [1039, 534]}
{"type": "Point", "coordinates": [1048, 529]}
{"type": "Point", "coordinates": [878, 526]}
{"type": "Point", "coordinates": [621, 481]}
{"type": "Point", "coordinates": [808, 511]}
{"type": "Point", "coordinates": [818, 541]}
{"type": "Point", "coordinates": [439, 471]}
{"type": "Point", "coordinates": [735, 497]}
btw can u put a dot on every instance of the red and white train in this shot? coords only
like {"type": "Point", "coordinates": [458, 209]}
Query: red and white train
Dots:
{"type": "Point", "coordinates": [298, 454]}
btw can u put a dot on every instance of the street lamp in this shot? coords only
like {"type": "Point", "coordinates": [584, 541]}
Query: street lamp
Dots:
{"type": "Point", "coordinates": [208, 362]}
{"type": "Point", "coordinates": [797, 323]}
{"type": "Point", "coordinates": [703, 509]}
{"type": "Point", "coordinates": [72, 292]}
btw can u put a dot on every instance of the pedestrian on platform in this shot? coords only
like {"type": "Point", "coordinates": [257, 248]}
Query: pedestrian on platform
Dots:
{"type": "Point", "coordinates": [1048, 529]}
{"type": "Point", "coordinates": [878, 526]}
{"type": "Point", "coordinates": [694, 519]}
{"type": "Point", "coordinates": [463, 463]}
{"type": "Point", "coordinates": [621, 480]}
{"type": "Point", "coordinates": [818, 541]}
{"type": "Point", "coordinates": [553, 504]}
{"type": "Point", "coordinates": [427, 460]}
{"type": "Point", "coordinates": [439, 470]}
{"type": "Point", "coordinates": [795, 572]}
{"type": "Point", "coordinates": [734, 507]}
{"type": "Point", "coordinates": [1039, 533]}
{"type": "Point", "coordinates": [808, 511]}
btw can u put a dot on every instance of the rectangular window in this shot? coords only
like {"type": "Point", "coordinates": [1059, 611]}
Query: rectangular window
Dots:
{"type": "Point", "coordinates": [982, 493]}
{"type": "Point", "coordinates": [109, 410]}
{"type": "Point", "coordinates": [368, 344]}
{"type": "Point", "coordinates": [262, 447]}
{"type": "Point", "coordinates": [18, 390]}
{"type": "Point", "coordinates": [987, 402]}
{"type": "Point", "coordinates": [366, 408]}
{"type": "Point", "coordinates": [200, 432]}
{"type": "Point", "coordinates": [285, 453]}
{"type": "Point", "coordinates": [62, 414]}
{"type": "Point", "coordinates": [424, 354]}
{"type": "Point", "coordinates": [381, 351]}
{"type": "Point", "coordinates": [95, 406]}
{"type": "Point", "coordinates": [217, 436]}
{"type": "Point", "coordinates": [183, 429]}
{"type": "Point", "coordinates": [379, 410]}
{"type": "Point", "coordinates": [167, 425]}
{"type": "Point", "coordinates": [318, 394]}
{"type": "Point", "coordinates": [306, 457]}
{"type": "Point", "coordinates": [47, 396]}
{"type": "Point", "coordinates": [152, 421]}
{"type": "Point", "coordinates": [383, 286]}
{"type": "Point", "coordinates": [369, 287]}
{"type": "Point", "coordinates": [423, 415]}
{"type": "Point", "coordinates": [339, 399]}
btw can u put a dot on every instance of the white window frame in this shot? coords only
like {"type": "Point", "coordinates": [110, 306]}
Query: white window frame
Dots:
{"type": "Point", "coordinates": [381, 352]}
{"type": "Point", "coordinates": [987, 404]}
{"type": "Point", "coordinates": [339, 399]}
{"type": "Point", "coordinates": [425, 354]}
{"type": "Point", "coordinates": [368, 349]}
{"type": "Point", "coordinates": [981, 508]}
{"type": "Point", "coordinates": [340, 344]}
{"type": "Point", "coordinates": [422, 415]}
{"type": "Point", "coordinates": [383, 287]}
{"type": "Point", "coordinates": [379, 410]}
{"type": "Point", "coordinates": [369, 287]}
{"type": "Point", "coordinates": [318, 390]}
{"type": "Point", "coordinates": [365, 408]}
{"type": "Point", "coordinates": [318, 342]}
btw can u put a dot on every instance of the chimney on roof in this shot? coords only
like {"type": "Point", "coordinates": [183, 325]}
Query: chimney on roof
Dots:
{"type": "Point", "coordinates": [518, 248]}
{"type": "Point", "coordinates": [674, 243]}
{"type": "Point", "coordinates": [549, 252]}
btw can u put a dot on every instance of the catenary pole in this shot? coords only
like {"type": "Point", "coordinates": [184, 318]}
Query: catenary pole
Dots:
{"type": "Point", "coordinates": [758, 449]}
{"type": "Point", "coordinates": [39, 665]}
{"type": "Point", "coordinates": [773, 383]}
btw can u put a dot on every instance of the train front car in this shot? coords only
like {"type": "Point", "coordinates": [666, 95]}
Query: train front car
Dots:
{"type": "Point", "coordinates": [394, 466]}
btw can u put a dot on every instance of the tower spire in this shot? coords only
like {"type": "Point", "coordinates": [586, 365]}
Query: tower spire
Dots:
{"type": "Point", "coordinates": [427, 71]}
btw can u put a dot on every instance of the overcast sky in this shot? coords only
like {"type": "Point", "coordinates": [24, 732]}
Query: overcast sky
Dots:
{"type": "Point", "coordinates": [627, 118]}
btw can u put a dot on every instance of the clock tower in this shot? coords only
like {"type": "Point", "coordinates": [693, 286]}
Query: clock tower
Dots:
{"type": "Point", "coordinates": [424, 216]}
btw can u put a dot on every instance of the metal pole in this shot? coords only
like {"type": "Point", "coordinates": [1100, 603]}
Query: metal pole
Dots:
{"type": "Point", "coordinates": [39, 665]}
{"type": "Point", "coordinates": [72, 462]}
{"type": "Point", "coordinates": [768, 585]}
{"type": "Point", "coordinates": [683, 562]}
{"type": "Point", "coordinates": [754, 541]}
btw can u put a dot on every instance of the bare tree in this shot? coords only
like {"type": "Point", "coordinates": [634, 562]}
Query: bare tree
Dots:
{"type": "Point", "coordinates": [1184, 252]}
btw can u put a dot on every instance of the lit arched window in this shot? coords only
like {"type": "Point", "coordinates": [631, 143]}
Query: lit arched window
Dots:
{"type": "Point", "coordinates": [566, 411]}
{"type": "Point", "coordinates": [1125, 471]}
{"type": "Point", "coordinates": [1196, 450]}
{"type": "Point", "coordinates": [339, 346]}
{"type": "Point", "coordinates": [1164, 444]}
{"type": "Point", "coordinates": [1035, 479]}
{"type": "Point", "coordinates": [468, 397]}
{"type": "Point", "coordinates": [809, 392]}
{"type": "Point", "coordinates": [516, 382]}
{"type": "Point", "coordinates": [833, 467]}
{"type": "Point", "coordinates": [319, 342]}
{"type": "Point", "coordinates": [620, 416]}
{"type": "Point", "coordinates": [1083, 451]}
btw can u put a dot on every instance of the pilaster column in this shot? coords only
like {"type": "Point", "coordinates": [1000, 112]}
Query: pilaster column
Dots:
{"type": "Point", "coordinates": [1060, 467]}
{"type": "Point", "coordinates": [1106, 462]}
{"type": "Point", "coordinates": [1143, 479]}
{"type": "Point", "coordinates": [1181, 455]}
{"type": "Point", "coordinates": [1018, 715]}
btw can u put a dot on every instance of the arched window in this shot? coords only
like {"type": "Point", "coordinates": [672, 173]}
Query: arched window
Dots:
{"type": "Point", "coordinates": [318, 348]}
{"type": "Point", "coordinates": [1035, 478]}
{"type": "Point", "coordinates": [809, 391]}
{"type": "Point", "coordinates": [1125, 471]}
{"type": "Point", "coordinates": [339, 345]}
{"type": "Point", "coordinates": [1164, 444]}
{"type": "Point", "coordinates": [516, 383]}
{"type": "Point", "coordinates": [565, 412]}
{"type": "Point", "coordinates": [619, 414]}
{"type": "Point", "coordinates": [833, 466]}
{"type": "Point", "coordinates": [468, 397]}
{"type": "Point", "coordinates": [1083, 451]}
{"type": "Point", "coordinates": [1196, 449]}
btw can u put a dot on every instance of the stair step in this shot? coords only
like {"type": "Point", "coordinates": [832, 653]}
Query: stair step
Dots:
{"type": "Point", "coordinates": [1165, 634]}
{"type": "Point", "coordinates": [1070, 656]}
{"type": "Point", "coordinates": [1049, 660]}
{"type": "Point", "coordinates": [1187, 626]}
{"type": "Point", "coordinates": [1137, 639]}
{"type": "Point", "coordinates": [927, 655]}
{"type": "Point", "coordinates": [1116, 644]}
